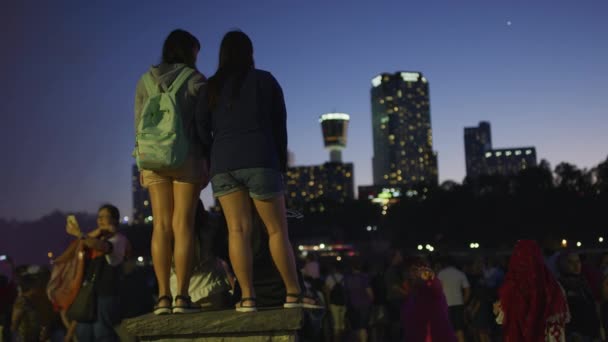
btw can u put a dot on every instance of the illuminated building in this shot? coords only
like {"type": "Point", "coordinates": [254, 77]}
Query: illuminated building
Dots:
{"type": "Point", "coordinates": [401, 128]}
{"type": "Point", "coordinates": [477, 141]}
{"type": "Point", "coordinates": [509, 161]}
{"type": "Point", "coordinates": [482, 159]}
{"type": "Point", "coordinates": [385, 196]}
{"type": "Point", "coordinates": [334, 127]}
{"type": "Point", "coordinates": [310, 188]}
{"type": "Point", "coordinates": [142, 208]}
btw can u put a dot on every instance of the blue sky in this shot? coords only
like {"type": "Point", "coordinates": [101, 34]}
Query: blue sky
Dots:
{"type": "Point", "coordinates": [70, 67]}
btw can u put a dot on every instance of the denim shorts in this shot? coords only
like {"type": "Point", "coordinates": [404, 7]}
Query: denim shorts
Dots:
{"type": "Point", "coordinates": [261, 183]}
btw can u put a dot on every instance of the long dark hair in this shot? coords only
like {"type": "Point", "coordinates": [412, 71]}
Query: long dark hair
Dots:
{"type": "Point", "coordinates": [179, 48]}
{"type": "Point", "coordinates": [236, 59]}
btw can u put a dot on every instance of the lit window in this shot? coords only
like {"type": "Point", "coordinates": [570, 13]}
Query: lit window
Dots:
{"type": "Point", "coordinates": [508, 153]}
{"type": "Point", "coordinates": [518, 152]}
{"type": "Point", "coordinates": [146, 203]}
{"type": "Point", "coordinates": [498, 153]}
{"type": "Point", "coordinates": [528, 152]}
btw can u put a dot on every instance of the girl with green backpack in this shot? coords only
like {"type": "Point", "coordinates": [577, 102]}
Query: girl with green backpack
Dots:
{"type": "Point", "coordinates": [172, 162]}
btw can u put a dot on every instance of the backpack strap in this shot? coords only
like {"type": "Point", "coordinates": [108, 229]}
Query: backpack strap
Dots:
{"type": "Point", "coordinates": [180, 80]}
{"type": "Point", "coordinates": [150, 84]}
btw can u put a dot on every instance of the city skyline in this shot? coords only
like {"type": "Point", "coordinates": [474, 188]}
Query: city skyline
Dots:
{"type": "Point", "coordinates": [73, 67]}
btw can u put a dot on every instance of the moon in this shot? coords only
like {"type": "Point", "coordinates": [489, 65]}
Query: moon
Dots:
{"type": "Point", "coordinates": [509, 22]}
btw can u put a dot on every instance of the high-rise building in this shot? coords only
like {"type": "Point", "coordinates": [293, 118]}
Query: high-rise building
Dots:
{"type": "Point", "coordinates": [334, 127]}
{"type": "Point", "coordinates": [312, 187]}
{"type": "Point", "coordinates": [509, 161]}
{"type": "Point", "coordinates": [477, 141]}
{"type": "Point", "coordinates": [402, 134]}
{"type": "Point", "coordinates": [482, 159]}
{"type": "Point", "coordinates": [142, 208]}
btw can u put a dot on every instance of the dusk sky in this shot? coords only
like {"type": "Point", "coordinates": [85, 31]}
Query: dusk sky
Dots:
{"type": "Point", "coordinates": [537, 70]}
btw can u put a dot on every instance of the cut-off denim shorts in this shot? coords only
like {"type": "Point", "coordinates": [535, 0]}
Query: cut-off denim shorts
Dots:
{"type": "Point", "coordinates": [261, 183]}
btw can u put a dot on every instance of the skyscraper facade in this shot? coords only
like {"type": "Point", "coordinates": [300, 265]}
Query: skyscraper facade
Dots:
{"type": "Point", "coordinates": [509, 161]}
{"type": "Point", "coordinates": [477, 141]}
{"type": "Point", "coordinates": [402, 134]}
{"type": "Point", "coordinates": [310, 188]}
{"type": "Point", "coordinates": [142, 207]}
{"type": "Point", "coordinates": [482, 159]}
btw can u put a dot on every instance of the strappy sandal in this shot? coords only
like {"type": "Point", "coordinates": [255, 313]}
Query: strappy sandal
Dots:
{"type": "Point", "coordinates": [189, 307]}
{"type": "Point", "coordinates": [246, 308]}
{"type": "Point", "coordinates": [300, 303]}
{"type": "Point", "coordinates": [163, 310]}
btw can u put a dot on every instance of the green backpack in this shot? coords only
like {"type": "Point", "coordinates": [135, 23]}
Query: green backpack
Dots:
{"type": "Point", "coordinates": [160, 140]}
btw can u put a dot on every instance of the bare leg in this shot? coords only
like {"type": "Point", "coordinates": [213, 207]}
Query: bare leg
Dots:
{"type": "Point", "coordinates": [237, 210]}
{"type": "Point", "coordinates": [272, 213]}
{"type": "Point", "coordinates": [161, 196]}
{"type": "Point", "coordinates": [184, 199]}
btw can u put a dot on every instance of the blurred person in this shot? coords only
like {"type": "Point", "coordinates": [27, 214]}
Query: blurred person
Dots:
{"type": "Point", "coordinates": [211, 281]}
{"type": "Point", "coordinates": [457, 290]}
{"type": "Point", "coordinates": [336, 294]}
{"type": "Point", "coordinates": [173, 189]}
{"type": "Point", "coordinates": [532, 306]}
{"type": "Point", "coordinates": [312, 271]}
{"type": "Point", "coordinates": [106, 252]}
{"type": "Point", "coordinates": [395, 293]}
{"type": "Point", "coordinates": [479, 307]}
{"type": "Point", "coordinates": [360, 298]}
{"type": "Point", "coordinates": [242, 120]}
{"type": "Point", "coordinates": [603, 264]}
{"type": "Point", "coordinates": [424, 314]}
{"type": "Point", "coordinates": [584, 324]}
{"type": "Point", "coordinates": [8, 294]}
{"type": "Point", "coordinates": [33, 318]}
{"type": "Point", "coordinates": [379, 317]}
{"type": "Point", "coordinates": [604, 306]}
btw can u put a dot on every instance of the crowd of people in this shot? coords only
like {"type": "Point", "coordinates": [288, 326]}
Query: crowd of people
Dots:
{"type": "Point", "coordinates": [529, 296]}
{"type": "Point", "coordinates": [558, 296]}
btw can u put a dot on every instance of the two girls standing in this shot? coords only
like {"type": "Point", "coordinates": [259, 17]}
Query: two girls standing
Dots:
{"type": "Point", "coordinates": [236, 122]}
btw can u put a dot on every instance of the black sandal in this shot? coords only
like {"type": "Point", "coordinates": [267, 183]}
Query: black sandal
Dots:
{"type": "Point", "coordinates": [185, 309]}
{"type": "Point", "coordinates": [300, 303]}
{"type": "Point", "coordinates": [163, 310]}
{"type": "Point", "coordinates": [246, 308]}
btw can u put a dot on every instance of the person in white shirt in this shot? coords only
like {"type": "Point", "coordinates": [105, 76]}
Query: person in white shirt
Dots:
{"type": "Point", "coordinates": [457, 290]}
